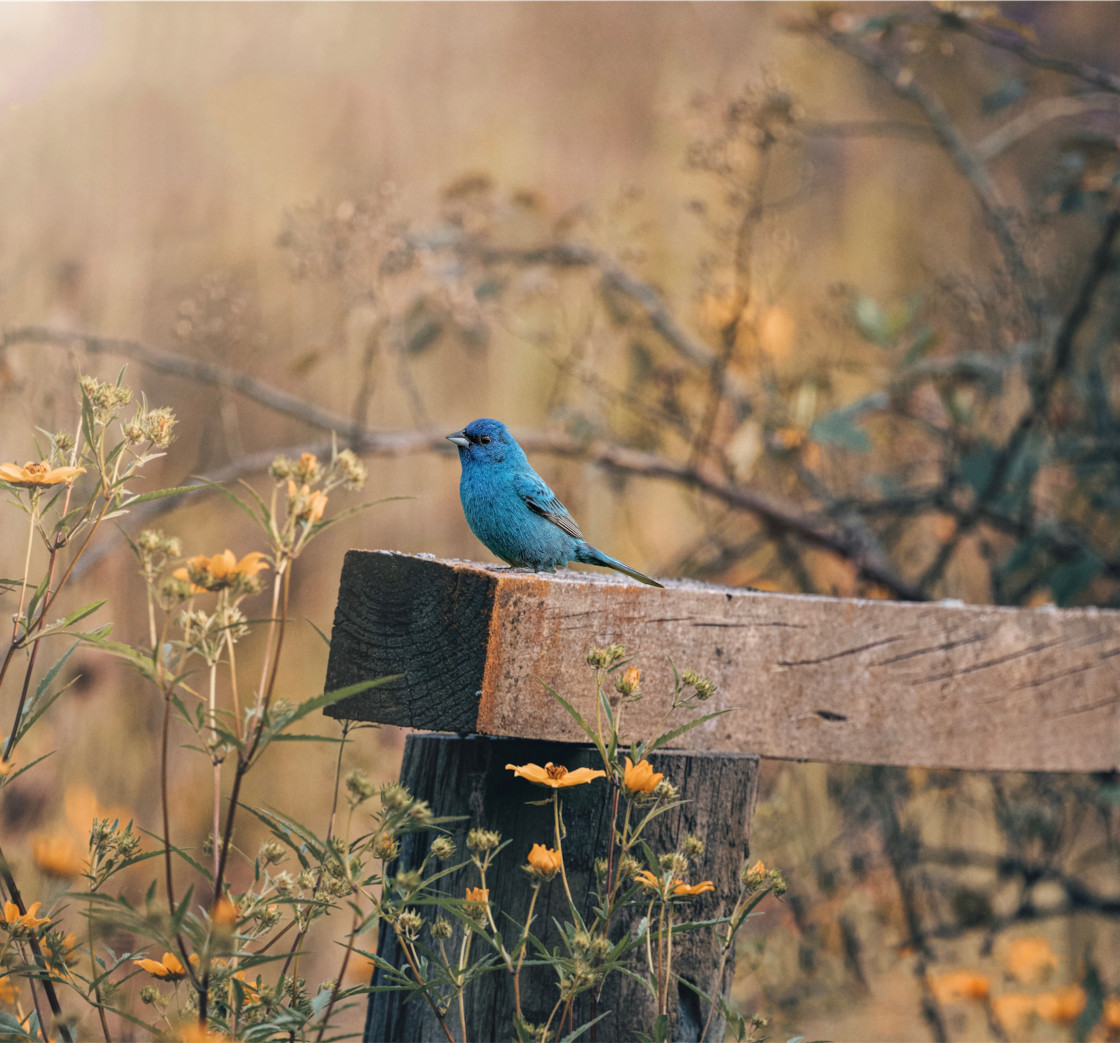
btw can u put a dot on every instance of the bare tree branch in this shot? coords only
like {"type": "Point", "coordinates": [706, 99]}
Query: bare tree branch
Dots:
{"type": "Point", "coordinates": [1020, 46]}
{"type": "Point", "coordinates": [780, 515]}
{"type": "Point", "coordinates": [997, 214]}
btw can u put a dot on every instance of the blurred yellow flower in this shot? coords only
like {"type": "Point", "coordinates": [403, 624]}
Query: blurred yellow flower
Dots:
{"type": "Point", "coordinates": [193, 1032]}
{"type": "Point", "coordinates": [691, 890]}
{"type": "Point", "coordinates": [60, 948]}
{"type": "Point", "coordinates": [13, 918]}
{"type": "Point", "coordinates": [169, 968]}
{"type": "Point", "coordinates": [250, 993]}
{"type": "Point", "coordinates": [9, 989]}
{"type": "Point", "coordinates": [1110, 1016]}
{"type": "Point", "coordinates": [32, 475]}
{"type": "Point", "coordinates": [1014, 1011]}
{"type": "Point", "coordinates": [57, 855]}
{"type": "Point", "coordinates": [306, 505]}
{"type": "Point", "coordinates": [224, 912]}
{"type": "Point", "coordinates": [959, 986]}
{"type": "Point", "coordinates": [1062, 1006]}
{"type": "Point", "coordinates": [478, 894]}
{"type": "Point", "coordinates": [1029, 960]}
{"type": "Point", "coordinates": [544, 862]}
{"type": "Point", "coordinates": [555, 776]}
{"type": "Point", "coordinates": [640, 777]}
{"type": "Point", "coordinates": [221, 570]}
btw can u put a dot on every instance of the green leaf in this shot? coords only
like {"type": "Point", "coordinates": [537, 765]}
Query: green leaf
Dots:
{"type": "Point", "coordinates": [839, 426]}
{"type": "Point", "coordinates": [1070, 578]}
{"type": "Point", "coordinates": [661, 740]}
{"type": "Point", "coordinates": [1012, 89]}
{"type": "Point", "coordinates": [575, 714]}
{"type": "Point", "coordinates": [41, 701]}
{"type": "Point", "coordinates": [161, 494]}
{"type": "Point", "coordinates": [81, 613]}
{"type": "Point", "coordinates": [870, 320]}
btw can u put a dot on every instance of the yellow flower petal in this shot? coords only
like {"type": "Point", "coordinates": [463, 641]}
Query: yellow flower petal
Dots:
{"type": "Point", "coordinates": [691, 890]}
{"type": "Point", "coordinates": [544, 861]}
{"type": "Point", "coordinates": [640, 777]}
{"type": "Point", "coordinates": [555, 776]}
{"type": "Point", "coordinates": [32, 475]}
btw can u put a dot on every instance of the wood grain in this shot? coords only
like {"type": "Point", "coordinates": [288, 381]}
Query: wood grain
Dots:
{"type": "Point", "coordinates": [824, 679]}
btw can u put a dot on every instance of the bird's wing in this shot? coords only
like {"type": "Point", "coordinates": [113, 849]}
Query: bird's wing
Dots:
{"type": "Point", "coordinates": [540, 499]}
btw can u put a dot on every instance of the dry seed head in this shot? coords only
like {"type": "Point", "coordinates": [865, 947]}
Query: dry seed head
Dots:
{"type": "Point", "coordinates": [693, 846]}
{"type": "Point", "coordinates": [443, 848]}
{"type": "Point", "coordinates": [605, 658]}
{"type": "Point", "coordinates": [483, 840]}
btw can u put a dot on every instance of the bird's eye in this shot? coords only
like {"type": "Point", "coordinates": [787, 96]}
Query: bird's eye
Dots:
{"type": "Point", "coordinates": [484, 439]}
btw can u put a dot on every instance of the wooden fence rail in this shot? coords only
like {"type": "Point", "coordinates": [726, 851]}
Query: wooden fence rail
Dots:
{"type": "Point", "coordinates": [870, 682]}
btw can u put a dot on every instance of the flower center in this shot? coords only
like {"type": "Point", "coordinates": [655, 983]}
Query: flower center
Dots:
{"type": "Point", "coordinates": [555, 771]}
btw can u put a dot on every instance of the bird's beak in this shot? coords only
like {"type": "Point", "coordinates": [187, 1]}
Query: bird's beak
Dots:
{"type": "Point", "coordinates": [459, 439]}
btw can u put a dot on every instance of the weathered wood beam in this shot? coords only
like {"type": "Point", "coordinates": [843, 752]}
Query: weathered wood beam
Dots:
{"type": "Point", "coordinates": [824, 679]}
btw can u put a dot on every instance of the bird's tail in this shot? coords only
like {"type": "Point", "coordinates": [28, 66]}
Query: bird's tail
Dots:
{"type": "Point", "coordinates": [593, 556]}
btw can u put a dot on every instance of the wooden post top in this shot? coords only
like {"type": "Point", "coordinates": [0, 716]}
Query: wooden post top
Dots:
{"type": "Point", "coordinates": [809, 678]}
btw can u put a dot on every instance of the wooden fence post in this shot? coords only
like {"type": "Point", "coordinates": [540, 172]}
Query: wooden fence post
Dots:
{"type": "Point", "coordinates": [942, 685]}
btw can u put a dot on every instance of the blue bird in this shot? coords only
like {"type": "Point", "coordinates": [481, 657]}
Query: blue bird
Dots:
{"type": "Point", "coordinates": [511, 509]}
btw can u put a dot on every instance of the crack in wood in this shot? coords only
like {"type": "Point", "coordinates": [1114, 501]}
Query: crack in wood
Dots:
{"type": "Point", "coordinates": [751, 625]}
{"type": "Point", "coordinates": [1104, 703]}
{"type": "Point", "coordinates": [1039, 646]}
{"type": "Point", "coordinates": [837, 655]}
{"type": "Point", "coordinates": [944, 646]}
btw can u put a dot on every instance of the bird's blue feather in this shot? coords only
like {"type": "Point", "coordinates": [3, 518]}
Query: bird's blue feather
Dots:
{"type": "Point", "coordinates": [511, 509]}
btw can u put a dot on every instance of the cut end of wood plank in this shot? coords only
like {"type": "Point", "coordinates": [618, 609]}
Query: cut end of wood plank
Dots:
{"type": "Point", "coordinates": [804, 677]}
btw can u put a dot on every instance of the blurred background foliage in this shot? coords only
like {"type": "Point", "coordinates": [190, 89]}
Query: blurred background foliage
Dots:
{"type": "Point", "coordinates": [812, 299]}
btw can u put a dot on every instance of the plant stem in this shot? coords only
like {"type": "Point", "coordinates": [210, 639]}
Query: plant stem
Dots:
{"type": "Point", "coordinates": [560, 848]}
{"type": "Point", "coordinates": [521, 950]}
{"type": "Point", "coordinates": [326, 1016]}
{"type": "Point", "coordinates": [408, 954]}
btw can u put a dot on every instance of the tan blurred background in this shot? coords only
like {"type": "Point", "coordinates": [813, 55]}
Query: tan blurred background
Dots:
{"type": "Point", "coordinates": [160, 166]}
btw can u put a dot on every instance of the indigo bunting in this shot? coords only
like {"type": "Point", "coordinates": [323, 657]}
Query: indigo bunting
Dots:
{"type": "Point", "coordinates": [511, 509]}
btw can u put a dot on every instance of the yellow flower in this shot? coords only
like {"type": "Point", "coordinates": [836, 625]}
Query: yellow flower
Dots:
{"type": "Point", "coordinates": [13, 919]}
{"type": "Point", "coordinates": [1110, 1016]}
{"type": "Point", "coordinates": [169, 968]}
{"type": "Point", "coordinates": [555, 776]}
{"type": "Point", "coordinates": [1029, 960]}
{"type": "Point", "coordinates": [306, 505]}
{"type": "Point", "coordinates": [57, 855]}
{"type": "Point", "coordinates": [691, 890]}
{"type": "Point", "coordinates": [193, 1032]}
{"type": "Point", "coordinates": [754, 878]}
{"type": "Point", "coordinates": [250, 994]}
{"type": "Point", "coordinates": [957, 986]}
{"type": "Point", "coordinates": [1062, 1006]}
{"type": "Point", "coordinates": [544, 862]}
{"type": "Point", "coordinates": [224, 912]}
{"type": "Point", "coordinates": [6, 767]}
{"type": "Point", "coordinates": [33, 476]}
{"type": "Point", "coordinates": [60, 948]}
{"type": "Point", "coordinates": [647, 879]}
{"type": "Point", "coordinates": [1014, 1011]}
{"type": "Point", "coordinates": [477, 903]}
{"type": "Point", "coordinates": [220, 571]}
{"type": "Point", "coordinates": [640, 777]}
{"type": "Point", "coordinates": [629, 682]}
{"type": "Point", "coordinates": [9, 989]}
